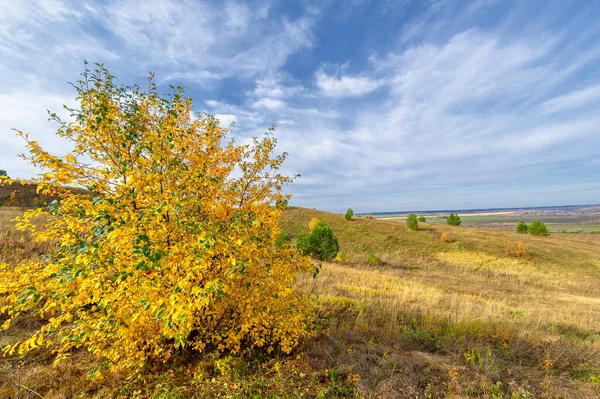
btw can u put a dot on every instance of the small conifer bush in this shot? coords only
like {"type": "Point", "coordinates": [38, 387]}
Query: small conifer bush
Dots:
{"type": "Point", "coordinates": [537, 228]}
{"type": "Point", "coordinates": [319, 243]}
{"type": "Point", "coordinates": [522, 227]}
{"type": "Point", "coordinates": [412, 223]}
{"type": "Point", "coordinates": [349, 214]}
{"type": "Point", "coordinates": [422, 219]}
{"type": "Point", "coordinates": [453, 219]}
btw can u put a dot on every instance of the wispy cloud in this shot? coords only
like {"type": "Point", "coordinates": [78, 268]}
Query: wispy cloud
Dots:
{"type": "Point", "coordinates": [344, 86]}
{"type": "Point", "coordinates": [269, 103]}
{"type": "Point", "coordinates": [578, 99]}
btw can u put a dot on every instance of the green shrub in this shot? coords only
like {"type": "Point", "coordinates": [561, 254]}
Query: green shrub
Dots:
{"type": "Point", "coordinates": [422, 218]}
{"type": "Point", "coordinates": [282, 239]}
{"type": "Point", "coordinates": [3, 173]}
{"type": "Point", "coordinates": [411, 222]}
{"type": "Point", "coordinates": [373, 260]}
{"type": "Point", "coordinates": [320, 243]}
{"type": "Point", "coordinates": [522, 227]}
{"type": "Point", "coordinates": [349, 214]}
{"type": "Point", "coordinates": [341, 258]}
{"type": "Point", "coordinates": [453, 219]}
{"type": "Point", "coordinates": [537, 228]}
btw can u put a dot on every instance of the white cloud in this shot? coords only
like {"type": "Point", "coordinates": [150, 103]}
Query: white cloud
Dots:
{"type": "Point", "coordinates": [226, 119]}
{"type": "Point", "coordinates": [26, 110]}
{"type": "Point", "coordinates": [238, 15]}
{"type": "Point", "coordinates": [344, 86]}
{"type": "Point", "coordinates": [273, 86]}
{"type": "Point", "coordinates": [269, 103]}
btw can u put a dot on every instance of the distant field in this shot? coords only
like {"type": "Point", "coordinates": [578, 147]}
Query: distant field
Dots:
{"type": "Point", "coordinates": [589, 228]}
{"type": "Point", "coordinates": [555, 223]}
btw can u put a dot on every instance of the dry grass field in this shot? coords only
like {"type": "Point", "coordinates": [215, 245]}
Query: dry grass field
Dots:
{"type": "Point", "coordinates": [463, 319]}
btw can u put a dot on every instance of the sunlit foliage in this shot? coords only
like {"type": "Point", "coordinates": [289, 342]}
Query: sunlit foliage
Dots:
{"type": "Point", "coordinates": [445, 237]}
{"type": "Point", "coordinates": [313, 223]}
{"type": "Point", "coordinates": [175, 246]}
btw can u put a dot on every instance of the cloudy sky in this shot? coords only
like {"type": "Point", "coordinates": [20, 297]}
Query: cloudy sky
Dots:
{"type": "Point", "coordinates": [382, 105]}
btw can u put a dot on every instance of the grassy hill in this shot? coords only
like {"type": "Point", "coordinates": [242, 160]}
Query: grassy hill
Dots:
{"type": "Point", "coordinates": [435, 320]}
{"type": "Point", "coordinates": [25, 195]}
{"type": "Point", "coordinates": [462, 318]}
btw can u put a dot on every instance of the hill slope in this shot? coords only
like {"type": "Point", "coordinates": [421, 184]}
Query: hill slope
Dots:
{"type": "Point", "coordinates": [26, 196]}
{"type": "Point", "coordinates": [436, 320]}
{"type": "Point", "coordinates": [478, 321]}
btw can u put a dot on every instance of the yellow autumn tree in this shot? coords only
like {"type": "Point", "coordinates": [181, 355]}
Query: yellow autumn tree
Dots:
{"type": "Point", "coordinates": [173, 248]}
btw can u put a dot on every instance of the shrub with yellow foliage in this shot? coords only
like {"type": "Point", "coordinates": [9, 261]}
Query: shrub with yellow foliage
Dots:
{"type": "Point", "coordinates": [174, 249]}
{"type": "Point", "coordinates": [341, 258]}
{"type": "Point", "coordinates": [517, 249]}
{"type": "Point", "coordinates": [445, 237]}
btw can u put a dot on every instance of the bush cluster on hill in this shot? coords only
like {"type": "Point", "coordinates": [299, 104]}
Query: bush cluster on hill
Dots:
{"type": "Point", "coordinates": [536, 228]}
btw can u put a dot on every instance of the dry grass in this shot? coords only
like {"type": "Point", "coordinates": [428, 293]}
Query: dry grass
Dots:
{"type": "Point", "coordinates": [490, 324]}
{"type": "Point", "coordinates": [435, 320]}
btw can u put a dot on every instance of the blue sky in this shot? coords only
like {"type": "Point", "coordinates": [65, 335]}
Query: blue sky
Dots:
{"type": "Point", "coordinates": [382, 105]}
